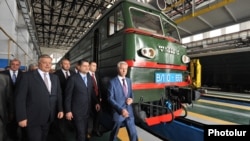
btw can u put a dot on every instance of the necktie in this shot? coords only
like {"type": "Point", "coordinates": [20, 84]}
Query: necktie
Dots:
{"type": "Point", "coordinates": [124, 87]}
{"type": "Point", "coordinates": [66, 75]}
{"type": "Point", "coordinates": [46, 81]}
{"type": "Point", "coordinates": [14, 77]}
{"type": "Point", "coordinates": [85, 80]}
{"type": "Point", "coordinates": [95, 84]}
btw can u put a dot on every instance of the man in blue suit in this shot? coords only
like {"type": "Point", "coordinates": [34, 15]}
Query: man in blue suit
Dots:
{"type": "Point", "coordinates": [120, 96]}
{"type": "Point", "coordinates": [79, 95]}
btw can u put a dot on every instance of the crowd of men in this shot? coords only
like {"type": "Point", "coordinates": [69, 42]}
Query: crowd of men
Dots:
{"type": "Point", "coordinates": [38, 103]}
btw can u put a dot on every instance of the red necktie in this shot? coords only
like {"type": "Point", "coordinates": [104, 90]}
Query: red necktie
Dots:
{"type": "Point", "coordinates": [95, 84]}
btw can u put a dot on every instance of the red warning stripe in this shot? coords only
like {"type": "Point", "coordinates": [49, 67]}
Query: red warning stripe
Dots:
{"type": "Point", "coordinates": [140, 86]}
{"type": "Point", "coordinates": [148, 64]}
{"type": "Point", "coordinates": [162, 118]}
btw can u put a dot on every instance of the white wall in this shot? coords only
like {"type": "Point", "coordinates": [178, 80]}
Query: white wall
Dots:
{"type": "Point", "coordinates": [12, 22]}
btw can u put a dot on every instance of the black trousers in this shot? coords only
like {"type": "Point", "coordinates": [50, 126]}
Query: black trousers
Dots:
{"type": "Point", "coordinates": [62, 130]}
{"type": "Point", "coordinates": [81, 124]}
{"type": "Point", "coordinates": [38, 133]}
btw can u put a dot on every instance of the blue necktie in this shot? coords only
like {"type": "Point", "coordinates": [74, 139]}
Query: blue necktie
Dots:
{"type": "Point", "coordinates": [85, 80]}
{"type": "Point", "coordinates": [14, 77]}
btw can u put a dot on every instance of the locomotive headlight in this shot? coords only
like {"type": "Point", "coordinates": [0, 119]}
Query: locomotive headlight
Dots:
{"type": "Point", "coordinates": [185, 59]}
{"type": "Point", "coordinates": [148, 52]}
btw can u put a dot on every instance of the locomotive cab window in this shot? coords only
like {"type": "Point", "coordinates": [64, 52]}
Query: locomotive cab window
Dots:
{"type": "Point", "coordinates": [120, 20]}
{"type": "Point", "coordinates": [116, 22]}
{"type": "Point", "coordinates": [111, 24]}
{"type": "Point", "coordinates": [146, 21]}
{"type": "Point", "coordinates": [170, 30]}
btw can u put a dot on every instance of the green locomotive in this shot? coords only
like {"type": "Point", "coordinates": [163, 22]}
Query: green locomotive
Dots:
{"type": "Point", "coordinates": [149, 42]}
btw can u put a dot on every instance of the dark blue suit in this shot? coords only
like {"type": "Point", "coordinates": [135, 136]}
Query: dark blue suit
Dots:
{"type": "Point", "coordinates": [35, 103]}
{"type": "Point", "coordinates": [78, 99]}
{"type": "Point", "coordinates": [117, 99]}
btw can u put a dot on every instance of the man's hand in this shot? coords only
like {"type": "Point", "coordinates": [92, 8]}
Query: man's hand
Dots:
{"type": "Point", "coordinates": [23, 123]}
{"type": "Point", "coordinates": [129, 101]}
{"type": "Point", "coordinates": [69, 116]}
{"type": "Point", "coordinates": [97, 107]}
{"type": "Point", "coordinates": [60, 115]}
{"type": "Point", "coordinates": [125, 113]}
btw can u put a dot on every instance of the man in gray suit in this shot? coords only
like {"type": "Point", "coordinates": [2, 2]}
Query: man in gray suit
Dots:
{"type": "Point", "coordinates": [38, 100]}
{"type": "Point", "coordinates": [6, 107]}
{"type": "Point", "coordinates": [120, 96]}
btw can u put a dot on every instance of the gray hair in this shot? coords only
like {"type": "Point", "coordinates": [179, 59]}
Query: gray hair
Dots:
{"type": "Point", "coordinates": [120, 63]}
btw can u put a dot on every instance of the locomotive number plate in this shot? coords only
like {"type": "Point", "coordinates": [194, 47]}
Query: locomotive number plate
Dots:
{"type": "Point", "coordinates": [167, 77]}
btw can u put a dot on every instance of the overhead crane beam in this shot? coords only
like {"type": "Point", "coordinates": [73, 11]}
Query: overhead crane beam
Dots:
{"type": "Point", "coordinates": [204, 10]}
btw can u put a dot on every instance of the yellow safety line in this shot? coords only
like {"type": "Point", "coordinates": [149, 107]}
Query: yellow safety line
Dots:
{"type": "Point", "coordinates": [225, 104]}
{"type": "Point", "coordinates": [233, 98]}
{"type": "Point", "coordinates": [123, 135]}
{"type": "Point", "coordinates": [215, 120]}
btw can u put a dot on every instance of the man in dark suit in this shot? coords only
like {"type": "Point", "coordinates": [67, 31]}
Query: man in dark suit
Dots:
{"type": "Point", "coordinates": [95, 114]}
{"type": "Point", "coordinates": [14, 73]}
{"type": "Point", "coordinates": [6, 106]}
{"type": "Point", "coordinates": [38, 100]}
{"type": "Point", "coordinates": [120, 96]}
{"type": "Point", "coordinates": [63, 127]}
{"type": "Point", "coordinates": [79, 95]}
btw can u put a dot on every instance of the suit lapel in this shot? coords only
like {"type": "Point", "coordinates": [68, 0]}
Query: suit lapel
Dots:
{"type": "Point", "coordinates": [128, 86]}
{"type": "Point", "coordinates": [120, 85]}
{"type": "Point", "coordinates": [80, 79]}
{"type": "Point", "coordinates": [62, 74]}
{"type": "Point", "coordinates": [38, 77]}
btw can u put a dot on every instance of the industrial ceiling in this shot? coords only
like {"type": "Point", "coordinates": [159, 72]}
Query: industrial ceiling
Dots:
{"type": "Point", "coordinates": [58, 24]}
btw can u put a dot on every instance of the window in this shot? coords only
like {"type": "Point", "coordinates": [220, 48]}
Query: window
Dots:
{"type": "Point", "coordinates": [146, 21]}
{"type": "Point", "coordinates": [120, 20]}
{"type": "Point", "coordinates": [215, 33]}
{"type": "Point", "coordinates": [116, 22]}
{"type": "Point", "coordinates": [186, 40]}
{"type": "Point", "coordinates": [111, 24]}
{"type": "Point", "coordinates": [197, 37]}
{"type": "Point", "coordinates": [232, 29]}
{"type": "Point", "coordinates": [170, 29]}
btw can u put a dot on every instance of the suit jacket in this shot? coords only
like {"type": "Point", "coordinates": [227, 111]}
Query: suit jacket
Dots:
{"type": "Point", "coordinates": [117, 98]}
{"type": "Point", "coordinates": [78, 96]}
{"type": "Point", "coordinates": [7, 72]}
{"type": "Point", "coordinates": [98, 85]}
{"type": "Point", "coordinates": [33, 100]}
{"type": "Point", "coordinates": [62, 78]}
{"type": "Point", "coordinates": [5, 104]}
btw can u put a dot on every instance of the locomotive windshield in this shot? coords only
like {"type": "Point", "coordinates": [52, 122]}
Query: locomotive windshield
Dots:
{"type": "Point", "coordinates": [146, 21]}
{"type": "Point", "coordinates": [170, 29]}
{"type": "Point", "coordinates": [152, 23]}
